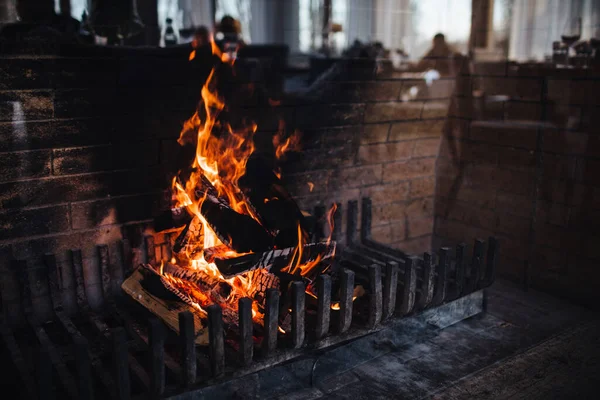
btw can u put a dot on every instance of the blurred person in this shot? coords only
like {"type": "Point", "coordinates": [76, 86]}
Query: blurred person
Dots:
{"type": "Point", "coordinates": [228, 36]}
{"type": "Point", "coordinates": [201, 37]}
{"type": "Point", "coordinates": [439, 57]}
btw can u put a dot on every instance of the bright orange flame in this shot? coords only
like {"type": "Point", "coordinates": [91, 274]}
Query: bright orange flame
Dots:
{"type": "Point", "coordinates": [292, 143]}
{"type": "Point", "coordinates": [221, 159]}
{"type": "Point", "coordinates": [222, 152]}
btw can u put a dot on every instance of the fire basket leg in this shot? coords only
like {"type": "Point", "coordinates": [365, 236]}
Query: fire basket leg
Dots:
{"type": "Point", "coordinates": [156, 349]}
{"type": "Point", "coordinates": [427, 282]}
{"type": "Point", "coordinates": [188, 348]}
{"type": "Point", "coordinates": [346, 292]}
{"type": "Point", "coordinates": [120, 354]}
{"type": "Point", "coordinates": [298, 309]}
{"type": "Point", "coordinates": [83, 362]}
{"type": "Point", "coordinates": [216, 341]}
{"type": "Point", "coordinates": [409, 286]}
{"type": "Point", "coordinates": [459, 272]}
{"type": "Point", "coordinates": [376, 303]}
{"type": "Point", "coordinates": [441, 277]}
{"type": "Point", "coordinates": [390, 288]}
{"type": "Point", "coordinates": [271, 321]}
{"type": "Point", "coordinates": [323, 306]}
{"type": "Point", "coordinates": [44, 375]}
{"type": "Point", "coordinates": [490, 265]}
{"type": "Point", "coordinates": [245, 323]}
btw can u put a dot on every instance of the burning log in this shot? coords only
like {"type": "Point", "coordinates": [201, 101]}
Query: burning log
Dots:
{"type": "Point", "coordinates": [278, 210]}
{"type": "Point", "coordinates": [274, 260]}
{"type": "Point", "coordinates": [237, 231]}
{"type": "Point", "coordinates": [191, 285]}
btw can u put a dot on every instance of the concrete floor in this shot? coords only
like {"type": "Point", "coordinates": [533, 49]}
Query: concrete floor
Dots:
{"type": "Point", "coordinates": [526, 346]}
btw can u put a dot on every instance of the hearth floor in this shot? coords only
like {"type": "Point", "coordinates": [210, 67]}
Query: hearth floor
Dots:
{"type": "Point", "coordinates": [527, 345]}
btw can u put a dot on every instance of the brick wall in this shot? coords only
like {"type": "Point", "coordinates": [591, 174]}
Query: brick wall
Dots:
{"type": "Point", "coordinates": [523, 165]}
{"type": "Point", "coordinates": [85, 145]}
{"type": "Point", "coordinates": [88, 147]}
{"type": "Point", "coordinates": [378, 144]}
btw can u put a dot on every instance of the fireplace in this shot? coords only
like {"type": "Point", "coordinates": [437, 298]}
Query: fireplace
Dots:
{"type": "Point", "coordinates": [406, 186]}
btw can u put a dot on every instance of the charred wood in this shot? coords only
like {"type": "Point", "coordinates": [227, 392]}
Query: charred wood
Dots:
{"type": "Point", "coordinates": [274, 260]}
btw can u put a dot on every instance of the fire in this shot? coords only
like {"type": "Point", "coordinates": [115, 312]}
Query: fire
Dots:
{"type": "Point", "coordinates": [222, 153]}
{"type": "Point", "coordinates": [281, 146]}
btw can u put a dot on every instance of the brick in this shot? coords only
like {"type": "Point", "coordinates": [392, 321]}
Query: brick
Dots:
{"type": "Point", "coordinates": [553, 213]}
{"type": "Point", "coordinates": [87, 215]}
{"type": "Point", "coordinates": [564, 142]}
{"type": "Point", "coordinates": [419, 227]}
{"type": "Point", "coordinates": [317, 159]}
{"type": "Point", "coordinates": [569, 193]}
{"type": "Point", "coordinates": [416, 246]}
{"type": "Point", "coordinates": [330, 115]}
{"type": "Point", "coordinates": [416, 130]}
{"type": "Point", "coordinates": [559, 167]}
{"type": "Point", "coordinates": [568, 91]}
{"type": "Point", "coordinates": [383, 194]}
{"type": "Point", "coordinates": [478, 153]}
{"type": "Point", "coordinates": [30, 222]}
{"type": "Point", "coordinates": [465, 213]}
{"type": "Point", "coordinates": [480, 197]}
{"type": "Point", "coordinates": [514, 204]}
{"type": "Point", "coordinates": [26, 105]}
{"type": "Point", "coordinates": [586, 171]}
{"type": "Point", "coordinates": [519, 182]}
{"type": "Point", "coordinates": [86, 72]}
{"type": "Point", "coordinates": [375, 134]}
{"type": "Point", "coordinates": [491, 68]}
{"type": "Point", "coordinates": [565, 116]}
{"type": "Point", "coordinates": [511, 246]}
{"type": "Point", "coordinates": [331, 137]}
{"type": "Point", "coordinates": [529, 89]}
{"type": "Point", "coordinates": [77, 160]}
{"type": "Point", "coordinates": [387, 213]}
{"type": "Point", "coordinates": [358, 176]}
{"type": "Point", "coordinates": [436, 109]}
{"type": "Point", "coordinates": [420, 208]}
{"type": "Point", "coordinates": [423, 187]}
{"type": "Point", "coordinates": [24, 164]}
{"type": "Point", "coordinates": [392, 111]}
{"type": "Point", "coordinates": [426, 147]}
{"type": "Point", "coordinates": [86, 103]}
{"type": "Point", "coordinates": [408, 169]}
{"type": "Point", "coordinates": [78, 188]}
{"type": "Point", "coordinates": [505, 133]}
{"type": "Point", "coordinates": [298, 186]}
{"type": "Point", "coordinates": [516, 158]}
{"type": "Point", "coordinates": [522, 111]}
{"type": "Point", "coordinates": [439, 89]}
{"type": "Point", "coordinates": [389, 233]}
{"type": "Point", "coordinates": [384, 152]}
{"type": "Point", "coordinates": [26, 73]}
{"type": "Point", "coordinates": [138, 71]}
{"type": "Point", "coordinates": [513, 226]}
{"type": "Point", "coordinates": [378, 91]}
{"type": "Point", "coordinates": [461, 107]}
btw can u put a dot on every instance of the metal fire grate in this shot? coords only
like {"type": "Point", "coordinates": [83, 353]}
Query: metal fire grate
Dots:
{"type": "Point", "coordinates": [121, 351]}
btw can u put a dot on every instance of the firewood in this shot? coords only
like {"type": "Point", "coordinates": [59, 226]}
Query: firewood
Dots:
{"type": "Point", "coordinates": [273, 260]}
{"type": "Point", "coordinates": [237, 231]}
{"type": "Point", "coordinates": [264, 191]}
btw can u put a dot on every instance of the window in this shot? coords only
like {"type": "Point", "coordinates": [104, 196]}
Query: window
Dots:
{"type": "Point", "coordinates": [238, 9]}
{"type": "Point", "coordinates": [310, 14]}
{"type": "Point", "coordinates": [535, 25]}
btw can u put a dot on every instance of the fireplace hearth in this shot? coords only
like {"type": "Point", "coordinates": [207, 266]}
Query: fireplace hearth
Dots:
{"type": "Point", "coordinates": [122, 351]}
